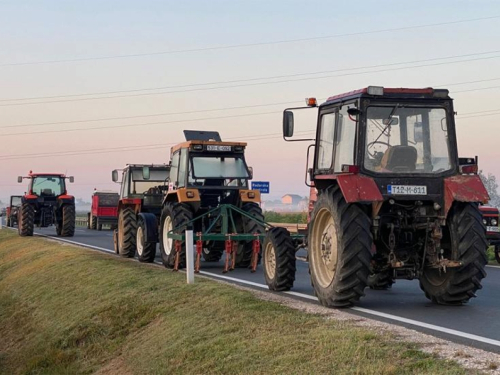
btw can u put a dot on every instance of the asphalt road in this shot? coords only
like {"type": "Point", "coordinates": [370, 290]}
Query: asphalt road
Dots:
{"type": "Point", "coordinates": [476, 324]}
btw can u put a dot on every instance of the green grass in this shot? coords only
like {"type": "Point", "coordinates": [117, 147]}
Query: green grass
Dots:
{"type": "Point", "coordinates": [283, 217]}
{"type": "Point", "coordinates": [491, 257]}
{"type": "Point", "coordinates": [67, 310]}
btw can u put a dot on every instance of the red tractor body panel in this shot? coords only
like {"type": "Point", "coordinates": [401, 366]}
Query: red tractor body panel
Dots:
{"type": "Point", "coordinates": [464, 188]}
{"type": "Point", "coordinates": [104, 209]}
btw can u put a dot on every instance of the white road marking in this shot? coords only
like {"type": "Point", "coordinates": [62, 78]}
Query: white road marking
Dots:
{"type": "Point", "coordinates": [396, 318]}
{"type": "Point", "coordinates": [489, 265]}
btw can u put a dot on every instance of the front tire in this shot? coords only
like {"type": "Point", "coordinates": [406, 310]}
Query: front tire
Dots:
{"type": "Point", "coordinates": [146, 252]}
{"type": "Point", "coordinates": [93, 222]}
{"type": "Point", "coordinates": [464, 240]}
{"type": "Point", "coordinates": [339, 249]}
{"type": "Point", "coordinates": [68, 221]}
{"type": "Point", "coordinates": [127, 232]}
{"type": "Point", "coordinates": [174, 215]}
{"type": "Point", "coordinates": [279, 259]}
{"type": "Point", "coordinates": [26, 220]}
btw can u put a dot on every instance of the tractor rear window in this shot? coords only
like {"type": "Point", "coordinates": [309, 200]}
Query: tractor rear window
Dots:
{"type": "Point", "coordinates": [108, 200]}
{"type": "Point", "coordinates": [16, 201]}
{"type": "Point", "coordinates": [139, 185]}
{"type": "Point", "coordinates": [219, 167]}
{"type": "Point", "coordinates": [49, 186]}
{"type": "Point", "coordinates": [406, 140]}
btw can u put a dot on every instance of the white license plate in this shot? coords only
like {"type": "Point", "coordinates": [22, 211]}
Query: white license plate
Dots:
{"type": "Point", "coordinates": [406, 190]}
{"type": "Point", "coordinates": [492, 229]}
{"type": "Point", "coordinates": [218, 148]}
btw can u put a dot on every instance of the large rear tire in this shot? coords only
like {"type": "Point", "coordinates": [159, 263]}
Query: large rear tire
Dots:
{"type": "Point", "coordinates": [464, 240]}
{"type": "Point", "coordinates": [127, 232]}
{"type": "Point", "coordinates": [174, 215]}
{"type": "Point", "coordinates": [68, 221]}
{"type": "Point", "coordinates": [279, 259]}
{"type": "Point", "coordinates": [146, 252]}
{"type": "Point", "coordinates": [26, 220]}
{"type": "Point", "coordinates": [249, 226]}
{"type": "Point", "coordinates": [339, 249]}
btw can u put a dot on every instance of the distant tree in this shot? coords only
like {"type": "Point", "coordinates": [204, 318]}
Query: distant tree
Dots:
{"type": "Point", "coordinates": [490, 182]}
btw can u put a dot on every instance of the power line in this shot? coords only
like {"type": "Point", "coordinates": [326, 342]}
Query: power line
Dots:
{"type": "Point", "coordinates": [150, 115]}
{"type": "Point", "coordinates": [249, 84]}
{"type": "Point", "coordinates": [244, 45]}
{"type": "Point", "coordinates": [206, 110]}
{"type": "Point", "coordinates": [143, 124]}
{"type": "Point", "coordinates": [248, 79]}
{"type": "Point", "coordinates": [191, 120]}
{"type": "Point", "coordinates": [255, 137]}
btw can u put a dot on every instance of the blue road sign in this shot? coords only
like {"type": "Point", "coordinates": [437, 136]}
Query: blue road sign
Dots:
{"type": "Point", "coordinates": [263, 186]}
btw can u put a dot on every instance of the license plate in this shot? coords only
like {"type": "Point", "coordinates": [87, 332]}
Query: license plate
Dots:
{"type": "Point", "coordinates": [218, 148]}
{"type": "Point", "coordinates": [406, 190]}
{"type": "Point", "coordinates": [492, 229]}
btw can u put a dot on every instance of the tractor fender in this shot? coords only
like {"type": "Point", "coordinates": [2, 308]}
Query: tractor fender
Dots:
{"type": "Point", "coordinates": [189, 196]}
{"type": "Point", "coordinates": [357, 188]}
{"type": "Point", "coordinates": [29, 198]}
{"type": "Point", "coordinates": [65, 199]}
{"type": "Point", "coordinates": [464, 188]}
{"type": "Point", "coordinates": [151, 226]}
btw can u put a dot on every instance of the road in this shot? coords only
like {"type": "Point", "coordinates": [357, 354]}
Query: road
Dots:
{"type": "Point", "coordinates": [476, 324]}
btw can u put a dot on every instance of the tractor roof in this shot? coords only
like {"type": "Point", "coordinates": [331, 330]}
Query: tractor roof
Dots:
{"type": "Point", "coordinates": [31, 174]}
{"type": "Point", "coordinates": [188, 144]}
{"type": "Point", "coordinates": [104, 192]}
{"type": "Point", "coordinates": [386, 92]}
{"type": "Point", "coordinates": [147, 165]}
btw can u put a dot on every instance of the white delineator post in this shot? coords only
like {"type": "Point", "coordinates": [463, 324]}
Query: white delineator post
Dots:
{"type": "Point", "coordinates": [189, 256]}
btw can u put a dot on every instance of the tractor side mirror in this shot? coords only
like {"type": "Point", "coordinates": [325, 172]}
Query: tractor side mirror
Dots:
{"type": "Point", "coordinates": [287, 124]}
{"type": "Point", "coordinates": [71, 179]}
{"type": "Point", "coordinates": [114, 176]}
{"type": "Point", "coordinates": [250, 169]}
{"type": "Point", "coordinates": [418, 132]}
{"type": "Point", "coordinates": [20, 179]}
{"type": "Point", "coordinates": [145, 173]}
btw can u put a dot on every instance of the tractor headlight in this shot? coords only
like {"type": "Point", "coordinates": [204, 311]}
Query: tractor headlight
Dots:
{"type": "Point", "coordinates": [485, 222]}
{"type": "Point", "coordinates": [494, 222]}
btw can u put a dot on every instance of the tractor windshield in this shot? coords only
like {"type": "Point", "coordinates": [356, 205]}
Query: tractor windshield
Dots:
{"type": "Point", "coordinates": [406, 140]}
{"type": "Point", "coordinates": [139, 185]}
{"type": "Point", "coordinates": [220, 170]}
{"type": "Point", "coordinates": [108, 200]}
{"type": "Point", "coordinates": [49, 186]}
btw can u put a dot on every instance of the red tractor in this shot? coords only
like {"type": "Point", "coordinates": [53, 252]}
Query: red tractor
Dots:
{"type": "Point", "coordinates": [47, 203]}
{"type": "Point", "coordinates": [104, 210]}
{"type": "Point", "coordinates": [13, 209]}
{"type": "Point", "coordinates": [394, 199]}
{"type": "Point", "coordinates": [490, 221]}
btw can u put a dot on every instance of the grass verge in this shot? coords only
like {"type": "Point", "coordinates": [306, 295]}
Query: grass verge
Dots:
{"type": "Point", "coordinates": [64, 310]}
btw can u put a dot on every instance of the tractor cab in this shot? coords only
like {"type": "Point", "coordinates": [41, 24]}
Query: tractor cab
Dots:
{"type": "Point", "coordinates": [209, 172]}
{"type": "Point", "coordinates": [388, 157]}
{"type": "Point", "coordinates": [142, 185]}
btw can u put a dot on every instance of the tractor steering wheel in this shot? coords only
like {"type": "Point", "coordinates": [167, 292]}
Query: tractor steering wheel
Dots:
{"type": "Point", "coordinates": [373, 143]}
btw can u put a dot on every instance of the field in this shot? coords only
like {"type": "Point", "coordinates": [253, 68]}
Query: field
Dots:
{"type": "Point", "coordinates": [64, 309]}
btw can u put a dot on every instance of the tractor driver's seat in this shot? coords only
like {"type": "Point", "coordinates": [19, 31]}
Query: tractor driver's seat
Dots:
{"type": "Point", "coordinates": [400, 159]}
{"type": "Point", "coordinates": [47, 192]}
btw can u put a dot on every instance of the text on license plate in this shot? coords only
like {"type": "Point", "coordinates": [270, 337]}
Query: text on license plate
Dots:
{"type": "Point", "coordinates": [406, 190]}
{"type": "Point", "coordinates": [218, 148]}
{"type": "Point", "coordinates": [492, 229]}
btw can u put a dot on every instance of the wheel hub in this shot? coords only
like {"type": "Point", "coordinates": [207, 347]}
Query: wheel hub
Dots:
{"type": "Point", "coordinates": [270, 259]}
{"type": "Point", "coordinates": [167, 242]}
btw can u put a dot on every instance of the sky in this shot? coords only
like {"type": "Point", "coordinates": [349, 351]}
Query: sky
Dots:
{"type": "Point", "coordinates": [181, 70]}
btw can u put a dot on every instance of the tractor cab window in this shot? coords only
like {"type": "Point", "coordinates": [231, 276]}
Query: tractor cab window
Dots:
{"type": "Point", "coordinates": [49, 186]}
{"type": "Point", "coordinates": [16, 201]}
{"type": "Point", "coordinates": [218, 171]}
{"type": "Point", "coordinates": [406, 140]}
{"type": "Point", "coordinates": [108, 200]}
{"type": "Point", "coordinates": [138, 185]}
